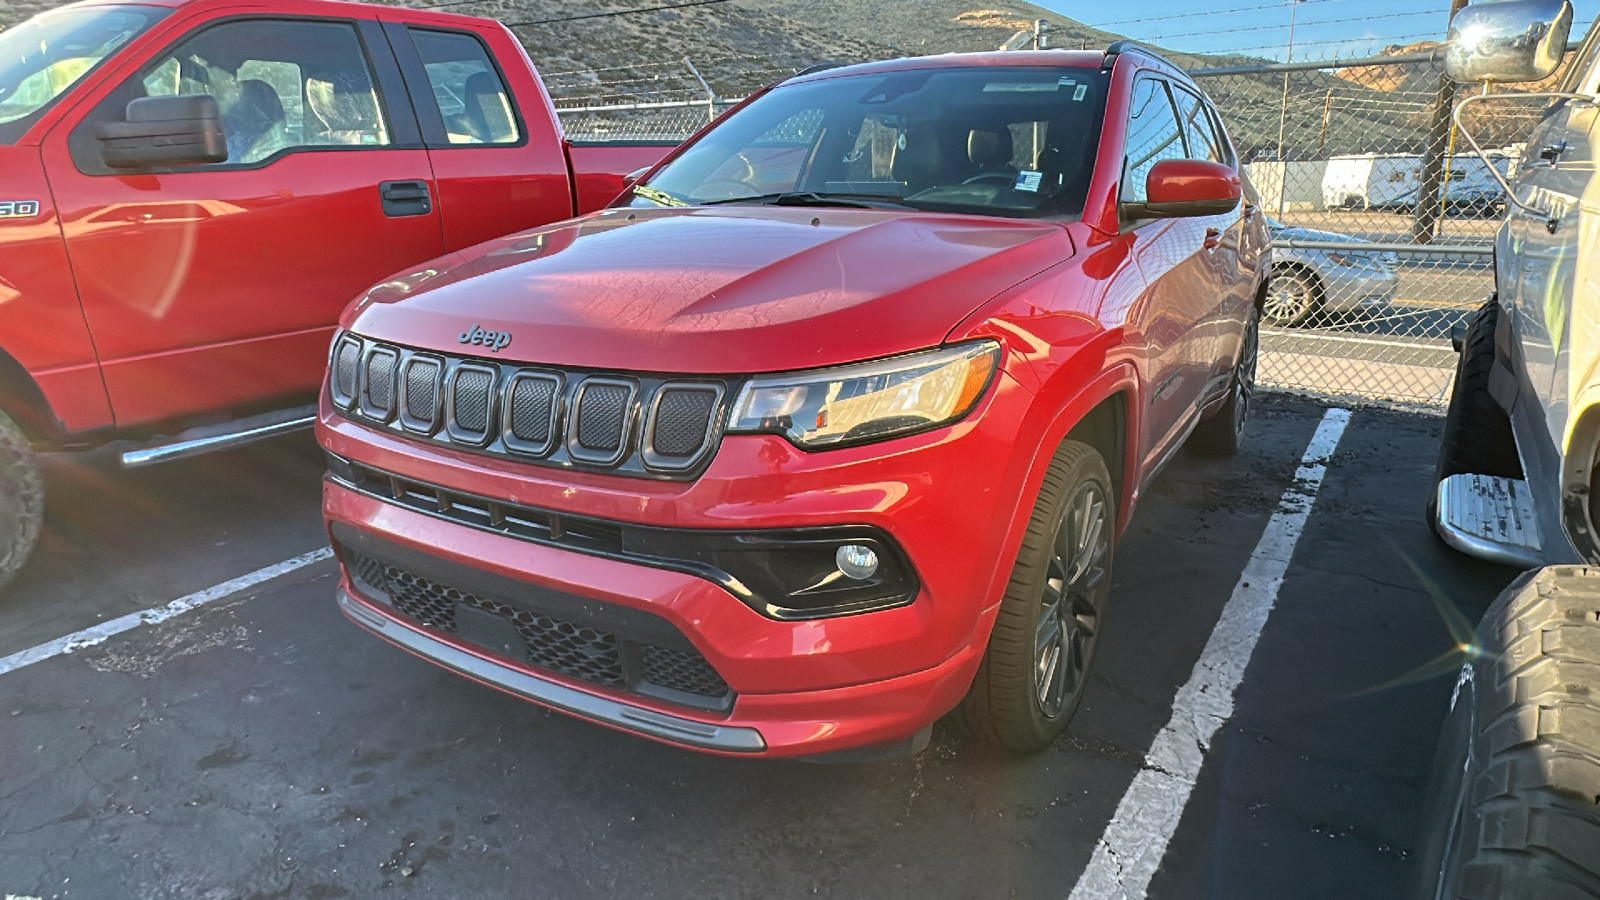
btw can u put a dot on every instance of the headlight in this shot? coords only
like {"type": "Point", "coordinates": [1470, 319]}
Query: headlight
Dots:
{"type": "Point", "coordinates": [869, 401]}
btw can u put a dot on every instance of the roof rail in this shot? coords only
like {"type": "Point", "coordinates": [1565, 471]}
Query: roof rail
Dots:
{"type": "Point", "coordinates": [1117, 48]}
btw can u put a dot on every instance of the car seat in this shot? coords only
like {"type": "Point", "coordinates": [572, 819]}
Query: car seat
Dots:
{"type": "Point", "coordinates": [488, 115]}
{"type": "Point", "coordinates": [255, 124]}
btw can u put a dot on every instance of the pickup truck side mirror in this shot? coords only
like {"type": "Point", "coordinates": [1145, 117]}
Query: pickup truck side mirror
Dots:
{"type": "Point", "coordinates": [184, 130]}
{"type": "Point", "coordinates": [1508, 40]}
{"type": "Point", "coordinates": [1179, 188]}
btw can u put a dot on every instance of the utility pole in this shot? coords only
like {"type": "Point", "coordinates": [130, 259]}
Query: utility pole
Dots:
{"type": "Point", "coordinates": [1425, 218]}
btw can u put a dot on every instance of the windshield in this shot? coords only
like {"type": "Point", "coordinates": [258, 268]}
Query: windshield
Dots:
{"type": "Point", "coordinates": [45, 55]}
{"type": "Point", "coordinates": [1001, 141]}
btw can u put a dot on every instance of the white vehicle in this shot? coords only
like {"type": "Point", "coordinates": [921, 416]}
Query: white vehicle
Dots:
{"type": "Point", "coordinates": [1393, 181]}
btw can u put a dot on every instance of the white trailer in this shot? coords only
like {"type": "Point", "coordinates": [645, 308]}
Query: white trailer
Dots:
{"type": "Point", "coordinates": [1394, 180]}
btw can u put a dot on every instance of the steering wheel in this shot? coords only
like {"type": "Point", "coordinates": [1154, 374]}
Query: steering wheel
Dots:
{"type": "Point", "coordinates": [1002, 177]}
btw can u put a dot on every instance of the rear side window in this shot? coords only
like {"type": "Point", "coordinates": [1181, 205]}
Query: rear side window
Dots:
{"type": "Point", "coordinates": [471, 96]}
{"type": "Point", "coordinates": [279, 84]}
{"type": "Point", "coordinates": [1153, 135]}
{"type": "Point", "coordinates": [1201, 132]}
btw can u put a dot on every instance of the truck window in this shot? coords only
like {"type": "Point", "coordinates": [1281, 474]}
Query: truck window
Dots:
{"type": "Point", "coordinates": [471, 96]}
{"type": "Point", "coordinates": [44, 56]}
{"type": "Point", "coordinates": [280, 85]}
{"type": "Point", "coordinates": [1004, 141]}
{"type": "Point", "coordinates": [1153, 135]}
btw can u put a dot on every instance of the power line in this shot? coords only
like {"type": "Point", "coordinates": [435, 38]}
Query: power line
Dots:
{"type": "Point", "coordinates": [621, 12]}
{"type": "Point", "coordinates": [1217, 12]}
{"type": "Point", "coordinates": [1430, 12]}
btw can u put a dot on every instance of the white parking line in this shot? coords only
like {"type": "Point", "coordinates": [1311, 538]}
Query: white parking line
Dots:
{"type": "Point", "coordinates": [95, 634]}
{"type": "Point", "coordinates": [1135, 840]}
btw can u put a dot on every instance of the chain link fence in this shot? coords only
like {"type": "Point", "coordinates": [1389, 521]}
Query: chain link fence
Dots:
{"type": "Point", "coordinates": [1383, 223]}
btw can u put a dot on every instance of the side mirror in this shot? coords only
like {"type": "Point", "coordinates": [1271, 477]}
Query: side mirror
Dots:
{"type": "Point", "coordinates": [1178, 188]}
{"type": "Point", "coordinates": [1508, 40]}
{"type": "Point", "coordinates": [184, 130]}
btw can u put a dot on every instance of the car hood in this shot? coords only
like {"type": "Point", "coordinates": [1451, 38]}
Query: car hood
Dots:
{"type": "Point", "coordinates": [712, 290]}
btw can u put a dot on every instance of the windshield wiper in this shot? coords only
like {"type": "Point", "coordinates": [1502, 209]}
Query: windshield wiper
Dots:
{"type": "Point", "coordinates": [817, 198]}
{"type": "Point", "coordinates": [656, 196]}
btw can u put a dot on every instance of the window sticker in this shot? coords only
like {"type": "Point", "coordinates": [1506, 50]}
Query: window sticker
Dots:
{"type": "Point", "coordinates": [1077, 94]}
{"type": "Point", "coordinates": [1020, 87]}
{"type": "Point", "coordinates": [1028, 180]}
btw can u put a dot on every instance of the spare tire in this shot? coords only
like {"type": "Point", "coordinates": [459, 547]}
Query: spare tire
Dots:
{"type": "Point", "coordinates": [21, 499]}
{"type": "Point", "coordinates": [1514, 805]}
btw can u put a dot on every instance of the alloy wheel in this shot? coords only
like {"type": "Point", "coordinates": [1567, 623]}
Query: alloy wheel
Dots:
{"type": "Point", "coordinates": [1289, 299]}
{"type": "Point", "coordinates": [1069, 614]}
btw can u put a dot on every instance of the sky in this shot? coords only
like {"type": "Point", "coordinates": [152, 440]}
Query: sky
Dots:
{"type": "Point", "coordinates": [1324, 29]}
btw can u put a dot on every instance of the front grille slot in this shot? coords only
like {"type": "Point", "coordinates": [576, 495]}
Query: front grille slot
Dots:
{"type": "Point", "coordinates": [346, 363]}
{"type": "Point", "coordinates": [602, 409]}
{"type": "Point", "coordinates": [532, 412]}
{"type": "Point", "coordinates": [420, 409]}
{"type": "Point", "coordinates": [642, 426]}
{"type": "Point", "coordinates": [377, 395]}
{"type": "Point", "coordinates": [471, 394]}
{"type": "Point", "coordinates": [591, 653]}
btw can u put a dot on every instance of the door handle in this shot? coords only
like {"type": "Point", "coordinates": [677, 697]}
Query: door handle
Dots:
{"type": "Point", "coordinates": [1213, 237]}
{"type": "Point", "coordinates": [1249, 210]}
{"type": "Point", "coordinates": [405, 198]}
{"type": "Point", "coordinates": [1552, 153]}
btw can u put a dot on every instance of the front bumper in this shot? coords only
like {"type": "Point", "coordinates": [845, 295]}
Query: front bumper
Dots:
{"type": "Point", "coordinates": [798, 688]}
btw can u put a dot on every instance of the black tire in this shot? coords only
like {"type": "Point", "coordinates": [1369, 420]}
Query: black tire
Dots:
{"type": "Point", "coordinates": [1017, 700]}
{"type": "Point", "coordinates": [1222, 433]}
{"type": "Point", "coordinates": [1477, 431]}
{"type": "Point", "coordinates": [1513, 804]}
{"type": "Point", "coordinates": [1293, 296]}
{"type": "Point", "coordinates": [21, 499]}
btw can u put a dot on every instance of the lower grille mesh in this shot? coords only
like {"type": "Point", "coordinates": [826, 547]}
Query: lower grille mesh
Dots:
{"type": "Point", "coordinates": [576, 651]}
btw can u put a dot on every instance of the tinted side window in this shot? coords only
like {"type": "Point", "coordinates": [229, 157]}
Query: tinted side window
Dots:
{"type": "Point", "coordinates": [1153, 135]}
{"type": "Point", "coordinates": [279, 85]}
{"type": "Point", "coordinates": [472, 98]}
{"type": "Point", "coordinates": [1204, 142]}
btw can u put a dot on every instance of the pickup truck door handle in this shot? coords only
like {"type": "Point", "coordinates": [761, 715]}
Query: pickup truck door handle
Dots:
{"type": "Point", "coordinates": [1552, 153]}
{"type": "Point", "coordinates": [1249, 210]}
{"type": "Point", "coordinates": [1213, 237]}
{"type": "Point", "coordinates": [405, 198]}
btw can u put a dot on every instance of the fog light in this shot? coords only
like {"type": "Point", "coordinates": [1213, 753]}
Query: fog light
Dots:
{"type": "Point", "coordinates": [857, 561]}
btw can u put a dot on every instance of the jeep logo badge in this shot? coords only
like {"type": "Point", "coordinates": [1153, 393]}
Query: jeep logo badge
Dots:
{"type": "Point", "coordinates": [18, 209]}
{"type": "Point", "coordinates": [494, 340]}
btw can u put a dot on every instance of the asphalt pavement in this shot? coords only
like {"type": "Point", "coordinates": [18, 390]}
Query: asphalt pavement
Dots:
{"type": "Point", "coordinates": [260, 746]}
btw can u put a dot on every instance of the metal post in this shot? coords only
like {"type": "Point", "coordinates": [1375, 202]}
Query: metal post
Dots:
{"type": "Point", "coordinates": [1327, 109]}
{"type": "Point", "coordinates": [1283, 110]}
{"type": "Point", "coordinates": [1426, 216]}
{"type": "Point", "coordinates": [711, 96]}
{"type": "Point", "coordinates": [1041, 36]}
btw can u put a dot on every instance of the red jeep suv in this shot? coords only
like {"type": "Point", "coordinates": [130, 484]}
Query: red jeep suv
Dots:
{"type": "Point", "coordinates": [827, 427]}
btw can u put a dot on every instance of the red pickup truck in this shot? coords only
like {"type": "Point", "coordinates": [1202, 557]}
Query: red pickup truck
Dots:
{"type": "Point", "coordinates": [828, 426]}
{"type": "Point", "coordinates": [190, 192]}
